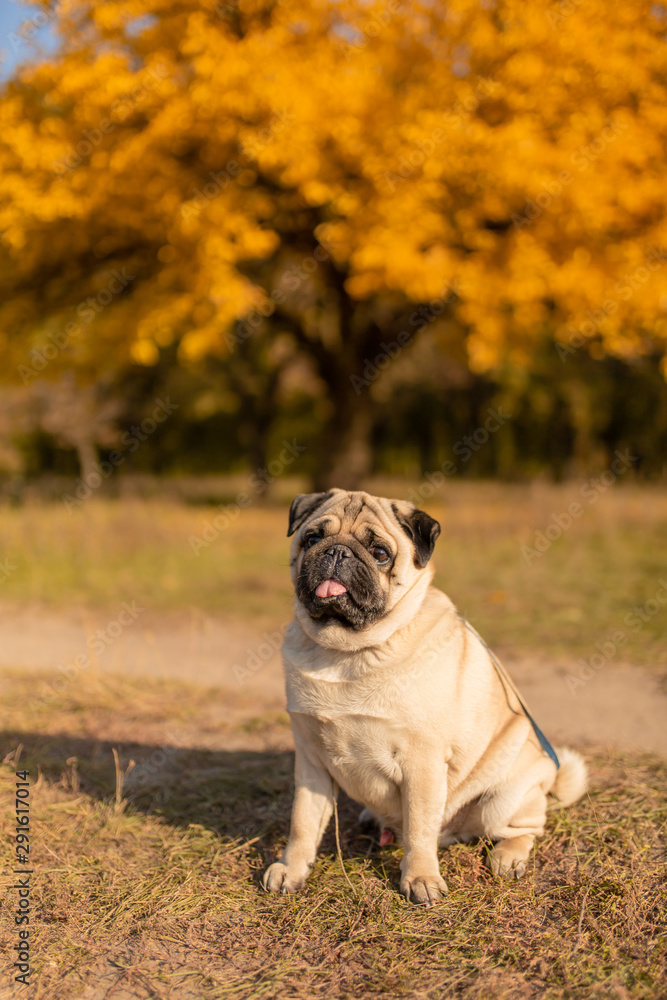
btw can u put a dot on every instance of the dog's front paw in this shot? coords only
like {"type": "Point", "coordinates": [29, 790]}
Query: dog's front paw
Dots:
{"type": "Point", "coordinates": [424, 890]}
{"type": "Point", "coordinates": [279, 878]}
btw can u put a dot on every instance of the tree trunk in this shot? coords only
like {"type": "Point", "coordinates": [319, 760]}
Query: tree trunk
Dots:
{"type": "Point", "coordinates": [345, 455]}
{"type": "Point", "coordinates": [344, 451]}
{"type": "Point", "coordinates": [87, 454]}
{"type": "Point", "coordinates": [256, 439]}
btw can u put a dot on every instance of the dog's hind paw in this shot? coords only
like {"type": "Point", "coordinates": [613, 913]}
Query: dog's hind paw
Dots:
{"type": "Point", "coordinates": [508, 859]}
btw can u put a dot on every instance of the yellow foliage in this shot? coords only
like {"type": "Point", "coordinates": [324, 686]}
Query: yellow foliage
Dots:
{"type": "Point", "coordinates": [513, 151]}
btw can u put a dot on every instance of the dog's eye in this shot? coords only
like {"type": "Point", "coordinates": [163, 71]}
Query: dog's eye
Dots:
{"type": "Point", "coordinates": [379, 554]}
{"type": "Point", "coordinates": [310, 541]}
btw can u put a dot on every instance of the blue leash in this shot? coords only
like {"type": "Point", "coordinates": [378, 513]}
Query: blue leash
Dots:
{"type": "Point", "coordinates": [543, 741]}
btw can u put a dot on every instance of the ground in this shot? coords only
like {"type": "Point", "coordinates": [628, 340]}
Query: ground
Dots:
{"type": "Point", "coordinates": [619, 704]}
{"type": "Point", "coordinates": [160, 760]}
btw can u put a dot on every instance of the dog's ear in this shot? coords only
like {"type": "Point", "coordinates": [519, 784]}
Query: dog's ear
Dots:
{"type": "Point", "coordinates": [422, 529]}
{"type": "Point", "coordinates": [302, 506]}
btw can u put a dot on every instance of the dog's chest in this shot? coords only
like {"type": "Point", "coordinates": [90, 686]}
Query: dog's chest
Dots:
{"type": "Point", "coordinates": [329, 694]}
{"type": "Point", "coordinates": [361, 744]}
{"type": "Point", "coordinates": [356, 727]}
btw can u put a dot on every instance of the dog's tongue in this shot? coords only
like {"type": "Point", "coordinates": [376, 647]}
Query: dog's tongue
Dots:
{"type": "Point", "coordinates": [330, 588]}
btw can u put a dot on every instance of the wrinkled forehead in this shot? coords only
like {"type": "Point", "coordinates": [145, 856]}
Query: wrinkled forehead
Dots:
{"type": "Point", "coordinates": [355, 514]}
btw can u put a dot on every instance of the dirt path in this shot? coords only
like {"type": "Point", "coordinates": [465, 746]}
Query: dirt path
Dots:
{"type": "Point", "coordinates": [619, 705]}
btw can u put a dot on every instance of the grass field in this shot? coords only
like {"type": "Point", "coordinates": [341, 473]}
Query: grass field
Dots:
{"type": "Point", "coordinates": [156, 804]}
{"type": "Point", "coordinates": [577, 593]}
{"type": "Point", "coordinates": [149, 887]}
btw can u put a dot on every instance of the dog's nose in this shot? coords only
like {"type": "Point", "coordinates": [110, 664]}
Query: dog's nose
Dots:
{"type": "Point", "coordinates": [339, 551]}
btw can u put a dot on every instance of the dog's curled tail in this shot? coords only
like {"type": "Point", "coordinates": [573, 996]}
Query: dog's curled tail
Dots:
{"type": "Point", "coordinates": [571, 778]}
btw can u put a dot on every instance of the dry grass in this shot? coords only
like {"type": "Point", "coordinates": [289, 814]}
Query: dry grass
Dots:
{"type": "Point", "coordinates": [146, 877]}
{"type": "Point", "coordinates": [158, 897]}
{"type": "Point", "coordinates": [573, 596]}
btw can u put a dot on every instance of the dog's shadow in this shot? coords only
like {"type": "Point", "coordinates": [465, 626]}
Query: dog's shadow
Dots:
{"type": "Point", "coordinates": [240, 795]}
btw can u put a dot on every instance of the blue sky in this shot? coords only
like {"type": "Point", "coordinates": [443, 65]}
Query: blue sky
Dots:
{"type": "Point", "coordinates": [14, 50]}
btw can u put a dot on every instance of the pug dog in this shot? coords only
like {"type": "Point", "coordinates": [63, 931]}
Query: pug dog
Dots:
{"type": "Point", "coordinates": [396, 700]}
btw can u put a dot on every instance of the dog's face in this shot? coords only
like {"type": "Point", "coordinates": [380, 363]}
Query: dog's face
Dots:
{"type": "Point", "coordinates": [354, 557]}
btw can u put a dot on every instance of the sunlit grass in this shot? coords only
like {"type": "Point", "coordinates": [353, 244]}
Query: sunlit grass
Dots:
{"type": "Point", "coordinates": [562, 602]}
{"type": "Point", "coordinates": [156, 890]}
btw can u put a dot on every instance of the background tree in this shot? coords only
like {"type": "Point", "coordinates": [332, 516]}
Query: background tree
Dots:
{"type": "Point", "coordinates": [185, 166]}
{"type": "Point", "coordinates": [82, 418]}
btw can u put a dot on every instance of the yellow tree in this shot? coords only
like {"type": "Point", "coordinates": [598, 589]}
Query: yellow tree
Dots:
{"type": "Point", "coordinates": [200, 172]}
